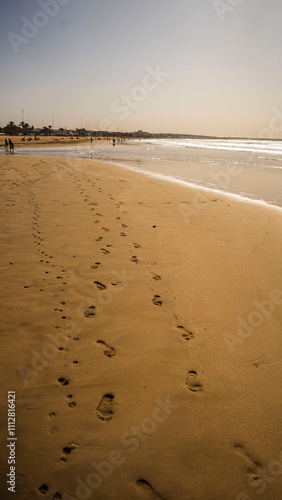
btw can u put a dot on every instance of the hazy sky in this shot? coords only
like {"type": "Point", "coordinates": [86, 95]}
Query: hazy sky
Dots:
{"type": "Point", "coordinates": [193, 66]}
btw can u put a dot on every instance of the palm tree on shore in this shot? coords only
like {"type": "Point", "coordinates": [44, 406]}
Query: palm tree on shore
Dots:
{"type": "Point", "coordinates": [11, 129]}
{"type": "Point", "coordinates": [25, 128]}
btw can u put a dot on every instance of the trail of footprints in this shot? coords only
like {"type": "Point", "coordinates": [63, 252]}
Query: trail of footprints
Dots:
{"type": "Point", "coordinates": [104, 409]}
{"type": "Point", "coordinates": [58, 274]}
{"type": "Point", "coordinates": [45, 257]}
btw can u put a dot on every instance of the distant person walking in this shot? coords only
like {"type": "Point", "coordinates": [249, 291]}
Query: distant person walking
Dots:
{"type": "Point", "coordinates": [11, 144]}
{"type": "Point", "coordinates": [6, 145]}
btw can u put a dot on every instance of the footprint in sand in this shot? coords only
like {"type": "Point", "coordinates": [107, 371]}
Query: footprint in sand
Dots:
{"type": "Point", "coordinates": [68, 449]}
{"type": "Point", "coordinates": [43, 489]}
{"type": "Point", "coordinates": [99, 238]}
{"type": "Point", "coordinates": [148, 488]}
{"type": "Point", "coordinates": [240, 450]}
{"type": "Point", "coordinates": [89, 313]}
{"type": "Point", "coordinates": [157, 300]}
{"type": "Point", "coordinates": [136, 245]}
{"type": "Point", "coordinates": [63, 381]}
{"type": "Point", "coordinates": [134, 259]}
{"type": "Point", "coordinates": [95, 266]}
{"type": "Point", "coordinates": [122, 234]}
{"type": "Point", "coordinates": [104, 251]}
{"type": "Point", "coordinates": [156, 277]}
{"type": "Point", "coordinates": [104, 409]}
{"type": "Point", "coordinates": [254, 471]}
{"type": "Point", "coordinates": [109, 351]}
{"type": "Point", "coordinates": [186, 335]}
{"type": "Point", "coordinates": [99, 285]}
{"type": "Point", "coordinates": [192, 383]}
{"type": "Point", "coordinates": [105, 229]}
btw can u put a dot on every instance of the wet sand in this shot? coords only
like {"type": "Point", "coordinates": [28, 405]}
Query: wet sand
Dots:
{"type": "Point", "coordinates": [141, 331]}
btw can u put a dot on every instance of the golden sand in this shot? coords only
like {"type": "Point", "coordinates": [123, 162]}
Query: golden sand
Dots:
{"type": "Point", "coordinates": [141, 332]}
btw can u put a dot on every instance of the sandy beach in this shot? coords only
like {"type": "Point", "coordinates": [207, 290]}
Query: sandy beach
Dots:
{"type": "Point", "coordinates": [141, 333]}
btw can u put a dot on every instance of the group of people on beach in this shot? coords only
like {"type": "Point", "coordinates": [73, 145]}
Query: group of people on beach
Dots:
{"type": "Point", "coordinates": [9, 144]}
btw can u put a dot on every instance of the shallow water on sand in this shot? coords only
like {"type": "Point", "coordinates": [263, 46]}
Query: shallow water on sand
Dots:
{"type": "Point", "coordinates": [246, 168]}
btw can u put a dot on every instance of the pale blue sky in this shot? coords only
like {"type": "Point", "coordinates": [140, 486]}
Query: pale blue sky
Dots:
{"type": "Point", "coordinates": [218, 74]}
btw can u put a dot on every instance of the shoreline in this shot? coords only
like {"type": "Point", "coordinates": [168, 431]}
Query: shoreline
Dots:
{"type": "Point", "coordinates": [237, 173]}
{"type": "Point", "coordinates": [170, 178]}
{"type": "Point", "coordinates": [147, 334]}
